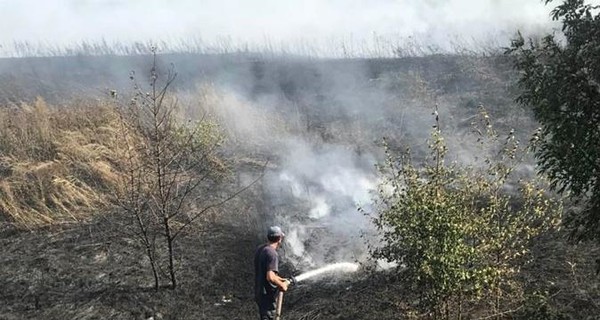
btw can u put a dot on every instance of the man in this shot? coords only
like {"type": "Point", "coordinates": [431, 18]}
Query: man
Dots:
{"type": "Point", "coordinates": [267, 281]}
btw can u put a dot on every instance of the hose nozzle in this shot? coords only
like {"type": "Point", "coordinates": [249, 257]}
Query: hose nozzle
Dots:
{"type": "Point", "coordinates": [292, 280]}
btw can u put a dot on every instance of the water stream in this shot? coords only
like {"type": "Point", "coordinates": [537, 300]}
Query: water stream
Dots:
{"type": "Point", "coordinates": [345, 267]}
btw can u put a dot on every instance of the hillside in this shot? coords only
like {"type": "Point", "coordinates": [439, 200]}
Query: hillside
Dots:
{"type": "Point", "coordinates": [303, 135]}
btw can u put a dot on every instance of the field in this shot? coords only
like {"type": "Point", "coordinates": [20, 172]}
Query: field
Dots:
{"type": "Point", "coordinates": [301, 138]}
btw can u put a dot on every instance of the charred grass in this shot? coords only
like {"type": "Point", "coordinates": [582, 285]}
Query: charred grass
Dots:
{"type": "Point", "coordinates": [91, 271]}
{"type": "Point", "coordinates": [87, 271]}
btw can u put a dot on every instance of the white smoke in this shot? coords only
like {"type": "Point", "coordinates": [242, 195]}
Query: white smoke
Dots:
{"type": "Point", "coordinates": [293, 25]}
{"type": "Point", "coordinates": [319, 187]}
{"type": "Point", "coordinates": [313, 188]}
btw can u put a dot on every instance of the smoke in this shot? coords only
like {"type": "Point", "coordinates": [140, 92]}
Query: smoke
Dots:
{"type": "Point", "coordinates": [314, 195]}
{"type": "Point", "coordinates": [321, 124]}
{"type": "Point", "coordinates": [312, 188]}
{"type": "Point", "coordinates": [293, 25]}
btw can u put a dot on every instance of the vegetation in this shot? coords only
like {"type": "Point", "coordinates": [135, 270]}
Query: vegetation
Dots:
{"type": "Point", "coordinates": [460, 234]}
{"type": "Point", "coordinates": [560, 82]}
{"type": "Point", "coordinates": [167, 161]}
{"type": "Point", "coordinates": [58, 165]}
{"type": "Point", "coordinates": [373, 46]}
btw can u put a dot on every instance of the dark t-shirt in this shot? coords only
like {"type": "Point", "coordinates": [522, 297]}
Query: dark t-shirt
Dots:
{"type": "Point", "coordinates": [265, 259]}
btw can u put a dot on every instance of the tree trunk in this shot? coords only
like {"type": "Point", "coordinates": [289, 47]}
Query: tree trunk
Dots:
{"type": "Point", "coordinates": [153, 265]}
{"type": "Point", "coordinates": [169, 238]}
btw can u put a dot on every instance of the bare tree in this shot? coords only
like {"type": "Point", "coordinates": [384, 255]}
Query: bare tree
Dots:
{"type": "Point", "coordinates": [169, 159]}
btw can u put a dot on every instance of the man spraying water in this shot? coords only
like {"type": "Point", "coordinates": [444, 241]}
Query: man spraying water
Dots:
{"type": "Point", "coordinates": [269, 286]}
{"type": "Point", "coordinates": [267, 282]}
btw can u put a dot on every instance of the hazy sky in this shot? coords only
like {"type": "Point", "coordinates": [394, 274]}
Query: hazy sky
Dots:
{"type": "Point", "coordinates": [65, 21]}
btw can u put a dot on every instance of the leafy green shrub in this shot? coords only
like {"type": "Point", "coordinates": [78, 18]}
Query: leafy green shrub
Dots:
{"type": "Point", "coordinates": [460, 232]}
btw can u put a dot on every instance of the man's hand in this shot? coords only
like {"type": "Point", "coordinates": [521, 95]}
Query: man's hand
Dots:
{"type": "Point", "coordinates": [284, 285]}
{"type": "Point", "coordinates": [278, 281]}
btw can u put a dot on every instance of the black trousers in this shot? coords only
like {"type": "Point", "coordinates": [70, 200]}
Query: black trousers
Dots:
{"type": "Point", "coordinates": [266, 306]}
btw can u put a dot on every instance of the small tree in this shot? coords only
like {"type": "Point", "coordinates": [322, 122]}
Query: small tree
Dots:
{"type": "Point", "coordinates": [455, 230]}
{"type": "Point", "coordinates": [167, 161]}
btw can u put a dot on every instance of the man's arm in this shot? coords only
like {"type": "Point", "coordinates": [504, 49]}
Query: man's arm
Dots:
{"type": "Point", "coordinates": [275, 279]}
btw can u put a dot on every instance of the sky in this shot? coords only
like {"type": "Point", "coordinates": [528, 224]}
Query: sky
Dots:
{"type": "Point", "coordinates": [61, 22]}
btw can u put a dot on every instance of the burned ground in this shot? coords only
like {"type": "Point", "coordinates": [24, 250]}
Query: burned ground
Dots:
{"type": "Point", "coordinates": [84, 272]}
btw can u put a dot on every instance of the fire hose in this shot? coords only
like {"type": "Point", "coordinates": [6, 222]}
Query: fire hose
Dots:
{"type": "Point", "coordinates": [290, 281]}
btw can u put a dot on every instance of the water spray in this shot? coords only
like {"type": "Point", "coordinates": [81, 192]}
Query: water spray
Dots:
{"type": "Point", "coordinates": [345, 267]}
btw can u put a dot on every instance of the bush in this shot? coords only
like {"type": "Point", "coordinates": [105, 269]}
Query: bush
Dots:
{"type": "Point", "coordinates": [458, 232]}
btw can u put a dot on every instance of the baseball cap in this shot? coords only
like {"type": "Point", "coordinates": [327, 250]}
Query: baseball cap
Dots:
{"type": "Point", "coordinates": [275, 231]}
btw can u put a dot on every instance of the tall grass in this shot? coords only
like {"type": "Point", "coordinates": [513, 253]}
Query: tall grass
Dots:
{"type": "Point", "coordinates": [57, 164]}
{"type": "Point", "coordinates": [373, 46]}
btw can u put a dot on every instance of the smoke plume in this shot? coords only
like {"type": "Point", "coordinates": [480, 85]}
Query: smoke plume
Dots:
{"type": "Point", "coordinates": [306, 26]}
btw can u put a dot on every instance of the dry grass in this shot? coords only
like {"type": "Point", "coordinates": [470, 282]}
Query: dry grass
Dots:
{"type": "Point", "coordinates": [57, 164]}
{"type": "Point", "coordinates": [245, 123]}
